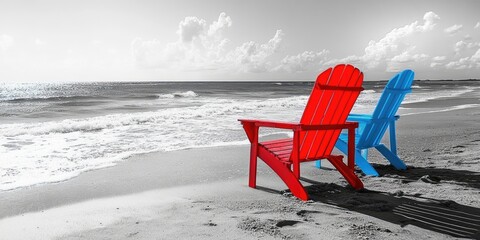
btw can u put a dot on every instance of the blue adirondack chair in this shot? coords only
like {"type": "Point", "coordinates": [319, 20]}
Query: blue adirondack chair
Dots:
{"type": "Point", "coordinates": [373, 127]}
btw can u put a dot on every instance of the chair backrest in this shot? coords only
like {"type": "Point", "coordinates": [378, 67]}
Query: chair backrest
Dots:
{"type": "Point", "coordinates": [387, 107]}
{"type": "Point", "coordinates": [333, 95]}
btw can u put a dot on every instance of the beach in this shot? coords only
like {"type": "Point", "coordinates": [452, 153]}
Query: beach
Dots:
{"type": "Point", "coordinates": [202, 193]}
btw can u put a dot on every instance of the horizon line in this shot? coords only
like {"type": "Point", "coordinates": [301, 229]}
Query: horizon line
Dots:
{"type": "Point", "coordinates": [232, 81]}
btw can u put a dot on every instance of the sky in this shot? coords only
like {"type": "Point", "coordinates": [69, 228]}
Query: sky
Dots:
{"type": "Point", "coordinates": [145, 40]}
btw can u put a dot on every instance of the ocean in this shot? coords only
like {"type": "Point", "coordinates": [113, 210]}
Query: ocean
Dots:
{"type": "Point", "coordinates": [53, 132]}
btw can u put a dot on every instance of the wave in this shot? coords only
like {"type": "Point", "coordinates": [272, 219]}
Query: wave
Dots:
{"type": "Point", "coordinates": [432, 95]}
{"type": "Point", "coordinates": [465, 106]}
{"type": "Point", "coordinates": [187, 94]}
{"type": "Point", "coordinates": [50, 99]}
{"type": "Point", "coordinates": [58, 150]}
{"type": "Point", "coordinates": [220, 107]}
{"type": "Point", "coordinates": [368, 91]}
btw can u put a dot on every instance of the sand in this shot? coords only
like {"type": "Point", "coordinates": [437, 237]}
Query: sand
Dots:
{"type": "Point", "coordinates": [203, 194]}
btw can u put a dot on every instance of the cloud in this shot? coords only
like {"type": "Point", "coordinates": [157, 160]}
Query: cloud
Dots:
{"type": "Point", "coordinates": [380, 50]}
{"type": "Point", "coordinates": [465, 62]}
{"type": "Point", "coordinates": [202, 46]}
{"type": "Point", "coordinates": [438, 61]}
{"type": "Point", "coordinates": [6, 41]}
{"type": "Point", "coordinates": [462, 63]}
{"type": "Point", "coordinates": [392, 47]}
{"type": "Point", "coordinates": [462, 45]}
{"type": "Point", "coordinates": [452, 30]}
{"type": "Point", "coordinates": [475, 59]}
{"type": "Point", "coordinates": [439, 58]}
{"type": "Point", "coordinates": [191, 28]}
{"type": "Point", "coordinates": [477, 25]}
{"type": "Point", "coordinates": [253, 57]}
{"type": "Point", "coordinates": [406, 57]}
{"type": "Point", "coordinates": [220, 25]}
{"type": "Point", "coordinates": [302, 62]}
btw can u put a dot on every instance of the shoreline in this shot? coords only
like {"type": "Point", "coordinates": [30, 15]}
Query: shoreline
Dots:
{"type": "Point", "coordinates": [51, 165]}
{"type": "Point", "coordinates": [203, 188]}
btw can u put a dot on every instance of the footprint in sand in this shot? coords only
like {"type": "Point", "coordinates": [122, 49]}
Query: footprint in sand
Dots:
{"type": "Point", "coordinates": [210, 224]}
{"type": "Point", "coordinates": [283, 223]}
{"type": "Point", "coordinates": [306, 214]}
{"type": "Point", "coordinates": [459, 149]}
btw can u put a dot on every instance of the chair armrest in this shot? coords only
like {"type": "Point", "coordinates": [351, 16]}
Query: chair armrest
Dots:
{"type": "Point", "coordinates": [347, 125]}
{"type": "Point", "coordinates": [272, 124]}
{"type": "Point", "coordinates": [364, 118]}
{"type": "Point", "coordinates": [298, 126]}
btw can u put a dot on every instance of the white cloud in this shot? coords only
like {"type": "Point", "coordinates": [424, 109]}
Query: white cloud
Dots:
{"type": "Point", "coordinates": [462, 63]}
{"type": "Point", "coordinates": [476, 56]}
{"type": "Point", "coordinates": [204, 47]}
{"type": "Point", "coordinates": [198, 46]}
{"type": "Point", "coordinates": [392, 47]}
{"type": "Point", "coordinates": [475, 59]}
{"type": "Point", "coordinates": [6, 41]}
{"type": "Point", "coordinates": [220, 25]}
{"type": "Point", "coordinates": [307, 60]}
{"type": "Point", "coordinates": [191, 28]}
{"type": "Point", "coordinates": [438, 61]}
{"type": "Point", "coordinates": [452, 30]}
{"type": "Point", "coordinates": [466, 62]}
{"type": "Point", "coordinates": [477, 25]}
{"type": "Point", "coordinates": [406, 57]}
{"type": "Point", "coordinates": [461, 46]}
{"type": "Point", "coordinates": [439, 58]}
{"type": "Point", "coordinates": [252, 57]}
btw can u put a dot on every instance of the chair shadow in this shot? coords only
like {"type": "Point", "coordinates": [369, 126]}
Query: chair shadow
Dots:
{"type": "Point", "coordinates": [435, 175]}
{"type": "Point", "coordinates": [443, 216]}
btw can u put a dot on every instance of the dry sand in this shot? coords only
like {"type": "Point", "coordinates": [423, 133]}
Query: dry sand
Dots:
{"type": "Point", "coordinates": [203, 194]}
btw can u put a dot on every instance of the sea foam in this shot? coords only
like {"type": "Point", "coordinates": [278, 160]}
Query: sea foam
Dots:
{"type": "Point", "coordinates": [179, 94]}
{"type": "Point", "coordinates": [57, 150]}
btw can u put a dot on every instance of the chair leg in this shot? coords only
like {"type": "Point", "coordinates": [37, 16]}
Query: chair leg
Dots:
{"type": "Point", "coordinates": [286, 174]}
{"type": "Point", "coordinates": [365, 154]}
{"type": "Point", "coordinates": [360, 161]}
{"type": "Point", "coordinates": [252, 181]}
{"type": "Point", "coordinates": [347, 173]}
{"type": "Point", "coordinates": [364, 165]}
{"type": "Point", "coordinates": [394, 159]}
{"type": "Point", "coordinates": [318, 164]}
{"type": "Point", "coordinates": [393, 138]}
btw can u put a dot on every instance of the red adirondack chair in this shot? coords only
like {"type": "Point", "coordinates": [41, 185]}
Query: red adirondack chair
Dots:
{"type": "Point", "coordinates": [333, 95]}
